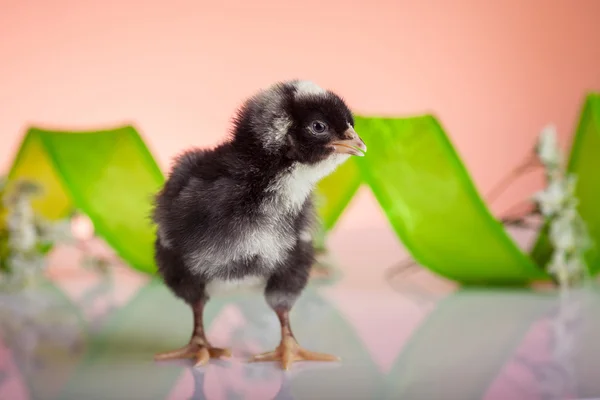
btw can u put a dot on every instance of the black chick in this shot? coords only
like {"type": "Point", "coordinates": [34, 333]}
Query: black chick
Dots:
{"type": "Point", "coordinates": [241, 214]}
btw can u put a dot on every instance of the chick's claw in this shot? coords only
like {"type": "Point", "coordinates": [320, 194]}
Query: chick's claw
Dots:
{"type": "Point", "coordinates": [290, 351]}
{"type": "Point", "coordinates": [202, 353]}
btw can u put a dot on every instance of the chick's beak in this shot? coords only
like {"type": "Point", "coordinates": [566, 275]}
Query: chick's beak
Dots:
{"type": "Point", "coordinates": [352, 144]}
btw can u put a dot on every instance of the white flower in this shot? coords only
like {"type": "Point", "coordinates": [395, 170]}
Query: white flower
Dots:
{"type": "Point", "coordinates": [573, 267]}
{"type": "Point", "coordinates": [55, 232]}
{"type": "Point", "coordinates": [26, 232]}
{"type": "Point", "coordinates": [23, 239]}
{"type": "Point", "coordinates": [559, 259]}
{"type": "Point", "coordinates": [551, 199]}
{"type": "Point", "coordinates": [562, 234]}
{"type": "Point", "coordinates": [568, 214]}
{"type": "Point", "coordinates": [20, 213]}
{"type": "Point", "coordinates": [558, 204]}
{"type": "Point", "coordinates": [565, 265]}
{"type": "Point", "coordinates": [547, 147]}
{"type": "Point", "coordinates": [21, 227]}
{"type": "Point", "coordinates": [576, 264]}
{"type": "Point", "coordinates": [557, 265]}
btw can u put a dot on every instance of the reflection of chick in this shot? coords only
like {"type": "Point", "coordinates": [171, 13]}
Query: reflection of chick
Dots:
{"type": "Point", "coordinates": [241, 214]}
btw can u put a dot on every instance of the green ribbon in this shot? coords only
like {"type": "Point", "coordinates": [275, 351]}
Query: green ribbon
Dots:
{"type": "Point", "coordinates": [431, 203]}
{"type": "Point", "coordinates": [412, 168]}
{"type": "Point", "coordinates": [433, 206]}
{"type": "Point", "coordinates": [109, 175]}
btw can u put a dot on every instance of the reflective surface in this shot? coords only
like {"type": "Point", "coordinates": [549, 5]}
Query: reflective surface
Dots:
{"type": "Point", "coordinates": [85, 336]}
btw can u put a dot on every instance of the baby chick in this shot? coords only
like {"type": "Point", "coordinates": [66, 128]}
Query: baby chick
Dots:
{"type": "Point", "coordinates": [241, 214]}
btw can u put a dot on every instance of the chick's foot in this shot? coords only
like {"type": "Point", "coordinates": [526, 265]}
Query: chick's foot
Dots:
{"type": "Point", "coordinates": [199, 350]}
{"type": "Point", "coordinates": [290, 351]}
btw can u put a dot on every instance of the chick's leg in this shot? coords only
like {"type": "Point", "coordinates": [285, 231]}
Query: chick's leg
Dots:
{"type": "Point", "coordinates": [282, 290]}
{"type": "Point", "coordinates": [198, 347]}
{"type": "Point", "coordinates": [289, 350]}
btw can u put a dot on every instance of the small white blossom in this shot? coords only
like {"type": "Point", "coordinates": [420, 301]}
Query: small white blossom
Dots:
{"type": "Point", "coordinates": [563, 234]}
{"type": "Point", "coordinates": [55, 232]}
{"type": "Point", "coordinates": [552, 198]}
{"type": "Point", "coordinates": [21, 226]}
{"type": "Point", "coordinates": [557, 265]}
{"type": "Point", "coordinates": [565, 264]}
{"type": "Point", "coordinates": [21, 214]}
{"type": "Point", "coordinates": [547, 148]}
{"type": "Point", "coordinates": [558, 204]}
{"type": "Point", "coordinates": [559, 258]}
{"type": "Point", "coordinates": [25, 237]}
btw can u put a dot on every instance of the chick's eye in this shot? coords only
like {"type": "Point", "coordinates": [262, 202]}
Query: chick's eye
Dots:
{"type": "Point", "coordinates": [319, 126]}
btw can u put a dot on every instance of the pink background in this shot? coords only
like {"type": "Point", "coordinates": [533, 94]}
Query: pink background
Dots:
{"type": "Point", "coordinates": [494, 72]}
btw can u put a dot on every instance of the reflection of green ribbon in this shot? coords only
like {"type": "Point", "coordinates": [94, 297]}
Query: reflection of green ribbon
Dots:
{"type": "Point", "coordinates": [458, 351]}
{"type": "Point", "coordinates": [411, 167]}
{"type": "Point", "coordinates": [117, 358]}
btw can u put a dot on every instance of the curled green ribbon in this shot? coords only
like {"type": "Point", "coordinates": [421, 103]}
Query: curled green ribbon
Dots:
{"type": "Point", "coordinates": [431, 203]}
{"type": "Point", "coordinates": [109, 175]}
